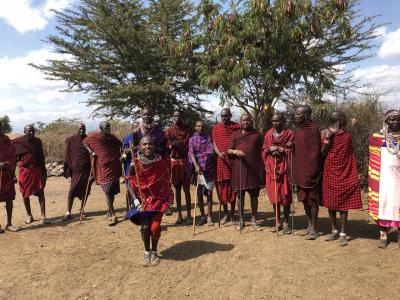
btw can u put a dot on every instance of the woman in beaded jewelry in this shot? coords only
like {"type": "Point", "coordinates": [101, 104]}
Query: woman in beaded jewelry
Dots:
{"type": "Point", "coordinates": [384, 177]}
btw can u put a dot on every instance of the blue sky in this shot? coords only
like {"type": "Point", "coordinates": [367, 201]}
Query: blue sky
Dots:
{"type": "Point", "coordinates": [26, 97]}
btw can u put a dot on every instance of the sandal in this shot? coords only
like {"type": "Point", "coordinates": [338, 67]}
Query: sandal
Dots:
{"type": "Point", "coordinates": [202, 221]}
{"type": "Point", "coordinates": [224, 220]}
{"type": "Point", "coordinates": [67, 216]}
{"type": "Point", "coordinates": [154, 258]}
{"type": "Point", "coordinates": [342, 241]}
{"type": "Point", "coordinates": [13, 228]}
{"type": "Point", "coordinates": [179, 221]}
{"type": "Point", "coordinates": [312, 235]}
{"type": "Point", "coordinates": [210, 222]}
{"type": "Point", "coordinates": [286, 229]}
{"type": "Point", "coordinates": [45, 221]}
{"type": "Point", "coordinates": [239, 225]}
{"type": "Point", "coordinates": [146, 259]}
{"type": "Point", "coordinates": [332, 237]}
{"type": "Point", "coordinates": [383, 243]}
{"type": "Point", "coordinates": [255, 225]}
{"type": "Point", "coordinates": [189, 221]}
{"type": "Point", "coordinates": [113, 221]}
{"type": "Point", "coordinates": [273, 229]}
{"type": "Point", "coordinates": [29, 220]}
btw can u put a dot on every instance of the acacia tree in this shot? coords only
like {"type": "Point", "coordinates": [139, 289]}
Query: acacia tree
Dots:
{"type": "Point", "coordinates": [253, 52]}
{"type": "Point", "coordinates": [115, 52]}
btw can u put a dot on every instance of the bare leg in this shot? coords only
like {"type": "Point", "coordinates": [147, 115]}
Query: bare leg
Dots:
{"type": "Point", "coordinates": [154, 243]}
{"type": "Point", "coordinates": [286, 214]}
{"type": "Point", "coordinates": [9, 208]}
{"type": "Point", "coordinates": [70, 204]}
{"type": "Point", "coordinates": [279, 214]}
{"type": "Point", "coordinates": [42, 202]}
{"type": "Point", "coordinates": [233, 204]}
{"type": "Point", "coordinates": [343, 221]}
{"type": "Point", "coordinates": [307, 210]}
{"type": "Point", "coordinates": [200, 202]}
{"type": "Point", "coordinates": [27, 204]}
{"type": "Point", "coordinates": [209, 204]}
{"type": "Point", "coordinates": [254, 207]}
{"type": "Point", "coordinates": [332, 217]}
{"type": "Point", "coordinates": [383, 240]}
{"type": "Point", "coordinates": [145, 232]}
{"type": "Point", "coordinates": [314, 218]}
{"type": "Point", "coordinates": [178, 198]}
{"type": "Point", "coordinates": [111, 212]}
{"type": "Point", "coordinates": [188, 199]}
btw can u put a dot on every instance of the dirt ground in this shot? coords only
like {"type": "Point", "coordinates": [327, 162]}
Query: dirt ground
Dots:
{"type": "Point", "coordinates": [68, 260]}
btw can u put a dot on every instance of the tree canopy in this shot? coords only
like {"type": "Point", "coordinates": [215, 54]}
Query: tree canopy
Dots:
{"type": "Point", "coordinates": [115, 51]}
{"type": "Point", "coordinates": [253, 53]}
{"type": "Point", "coordinates": [5, 124]}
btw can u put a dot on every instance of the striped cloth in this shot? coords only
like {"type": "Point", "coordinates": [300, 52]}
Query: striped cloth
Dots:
{"type": "Point", "coordinates": [383, 184]}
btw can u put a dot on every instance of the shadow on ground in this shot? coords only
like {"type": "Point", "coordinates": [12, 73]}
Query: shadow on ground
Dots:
{"type": "Point", "coordinates": [192, 249]}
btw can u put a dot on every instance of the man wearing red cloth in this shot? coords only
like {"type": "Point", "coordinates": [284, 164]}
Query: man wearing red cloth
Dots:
{"type": "Point", "coordinates": [340, 183]}
{"type": "Point", "coordinates": [7, 189]}
{"type": "Point", "coordinates": [277, 155]}
{"type": "Point", "coordinates": [151, 190]}
{"type": "Point", "coordinates": [106, 151]}
{"type": "Point", "coordinates": [177, 136]}
{"type": "Point", "coordinates": [307, 166]}
{"type": "Point", "coordinates": [32, 174]}
{"type": "Point", "coordinates": [221, 135]}
{"type": "Point", "coordinates": [246, 145]}
{"type": "Point", "coordinates": [76, 166]}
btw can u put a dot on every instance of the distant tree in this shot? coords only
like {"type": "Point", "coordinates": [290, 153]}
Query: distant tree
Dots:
{"type": "Point", "coordinates": [5, 124]}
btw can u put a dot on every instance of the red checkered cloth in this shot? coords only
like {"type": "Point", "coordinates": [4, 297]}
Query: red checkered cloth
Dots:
{"type": "Point", "coordinates": [224, 191]}
{"type": "Point", "coordinates": [221, 135]}
{"type": "Point", "coordinates": [108, 151]}
{"type": "Point", "coordinates": [340, 183]}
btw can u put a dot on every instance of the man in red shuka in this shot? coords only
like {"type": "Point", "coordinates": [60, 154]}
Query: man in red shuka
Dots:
{"type": "Point", "coordinates": [106, 151]}
{"type": "Point", "coordinates": [32, 174]}
{"type": "Point", "coordinates": [277, 155]}
{"type": "Point", "coordinates": [221, 136]}
{"type": "Point", "coordinates": [7, 189]}
{"type": "Point", "coordinates": [151, 190]}
{"type": "Point", "coordinates": [177, 136]}
{"type": "Point", "coordinates": [340, 183]}
{"type": "Point", "coordinates": [307, 167]}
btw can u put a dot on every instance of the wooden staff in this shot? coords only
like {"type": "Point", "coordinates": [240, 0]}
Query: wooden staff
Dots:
{"type": "Point", "coordinates": [1, 180]}
{"type": "Point", "coordinates": [195, 207]}
{"type": "Point", "coordinates": [87, 190]}
{"type": "Point", "coordinates": [136, 173]}
{"type": "Point", "coordinates": [276, 197]}
{"type": "Point", "coordinates": [240, 196]}
{"type": "Point", "coordinates": [219, 215]}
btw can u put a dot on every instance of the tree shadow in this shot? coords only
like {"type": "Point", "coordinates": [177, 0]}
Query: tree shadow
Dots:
{"type": "Point", "coordinates": [187, 250]}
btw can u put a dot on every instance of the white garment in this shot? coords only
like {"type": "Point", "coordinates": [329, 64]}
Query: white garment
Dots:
{"type": "Point", "coordinates": [389, 187]}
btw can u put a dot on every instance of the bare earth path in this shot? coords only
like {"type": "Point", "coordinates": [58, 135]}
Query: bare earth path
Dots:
{"type": "Point", "coordinates": [68, 260]}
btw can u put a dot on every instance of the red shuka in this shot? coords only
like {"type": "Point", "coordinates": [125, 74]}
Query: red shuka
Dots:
{"type": "Point", "coordinates": [221, 135]}
{"type": "Point", "coordinates": [7, 155]}
{"type": "Point", "coordinates": [155, 185]}
{"type": "Point", "coordinates": [32, 171]}
{"type": "Point", "coordinates": [278, 184]}
{"type": "Point", "coordinates": [178, 140]}
{"type": "Point", "coordinates": [107, 166]}
{"type": "Point", "coordinates": [307, 156]}
{"type": "Point", "coordinates": [340, 182]}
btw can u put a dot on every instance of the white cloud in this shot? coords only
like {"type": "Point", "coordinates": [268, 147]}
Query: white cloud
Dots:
{"type": "Point", "coordinates": [24, 17]}
{"type": "Point", "coordinates": [383, 77]}
{"type": "Point", "coordinates": [26, 96]}
{"type": "Point", "coordinates": [390, 47]}
{"type": "Point", "coordinates": [16, 73]}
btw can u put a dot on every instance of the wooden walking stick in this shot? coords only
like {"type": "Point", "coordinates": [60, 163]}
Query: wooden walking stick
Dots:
{"type": "Point", "coordinates": [219, 215]}
{"type": "Point", "coordinates": [87, 190]}
{"type": "Point", "coordinates": [1, 179]}
{"type": "Point", "coordinates": [195, 207]}
{"type": "Point", "coordinates": [292, 188]}
{"type": "Point", "coordinates": [276, 197]}
{"type": "Point", "coordinates": [240, 196]}
{"type": "Point", "coordinates": [136, 173]}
